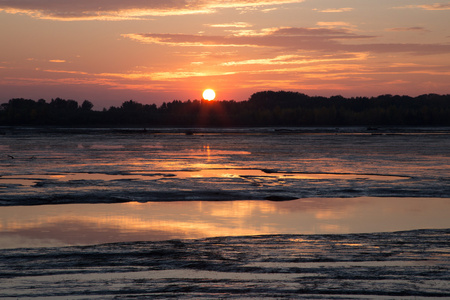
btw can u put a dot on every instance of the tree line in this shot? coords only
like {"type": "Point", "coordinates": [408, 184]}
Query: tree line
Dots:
{"type": "Point", "coordinates": [267, 108]}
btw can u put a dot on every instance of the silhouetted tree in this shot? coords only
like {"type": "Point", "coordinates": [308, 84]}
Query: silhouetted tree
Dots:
{"type": "Point", "coordinates": [87, 105]}
{"type": "Point", "coordinates": [262, 109]}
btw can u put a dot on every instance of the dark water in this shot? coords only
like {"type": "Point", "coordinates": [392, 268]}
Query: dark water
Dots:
{"type": "Point", "coordinates": [106, 166]}
{"type": "Point", "coordinates": [291, 213]}
{"type": "Point", "coordinates": [344, 180]}
{"type": "Point", "coordinates": [399, 265]}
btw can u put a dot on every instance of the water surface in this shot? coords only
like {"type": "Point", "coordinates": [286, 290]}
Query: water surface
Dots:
{"type": "Point", "coordinates": [160, 184]}
{"type": "Point", "coordinates": [83, 224]}
{"type": "Point", "coordinates": [107, 166]}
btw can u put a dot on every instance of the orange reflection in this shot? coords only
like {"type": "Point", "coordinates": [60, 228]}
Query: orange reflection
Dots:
{"type": "Point", "coordinates": [208, 152]}
{"type": "Point", "coordinates": [78, 224]}
{"type": "Point", "coordinates": [198, 170]}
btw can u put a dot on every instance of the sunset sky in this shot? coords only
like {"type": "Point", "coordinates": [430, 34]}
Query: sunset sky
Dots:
{"type": "Point", "coordinates": [110, 51]}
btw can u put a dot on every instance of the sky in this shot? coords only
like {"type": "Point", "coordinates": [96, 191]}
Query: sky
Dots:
{"type": "Point", "coordinates": [154, 51]}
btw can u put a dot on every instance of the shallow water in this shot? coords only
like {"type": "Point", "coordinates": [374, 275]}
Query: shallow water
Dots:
{"type": "Point", "coordinates": [105, 166]}
{"type": "Point", "coordinates": [159, 191]}
{"type": "Point", "coordinates": [399, 265]}
{"type": "Point", "coordinates": [167, 178]}
{"type": "Point", "coordinates": [88, 224]}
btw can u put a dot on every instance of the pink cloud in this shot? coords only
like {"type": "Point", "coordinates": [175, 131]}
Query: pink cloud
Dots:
{"type": "Point", "coordinates": [336, 10]}
{"type": "Point", "coordinates": [408, 29]}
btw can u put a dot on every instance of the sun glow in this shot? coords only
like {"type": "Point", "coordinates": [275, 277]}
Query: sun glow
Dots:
{"type": "Point", "coordinates": [209, 94]}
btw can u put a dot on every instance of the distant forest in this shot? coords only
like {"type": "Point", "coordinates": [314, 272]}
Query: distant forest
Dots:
{"type": "Point", "coordinates": [267, 108]}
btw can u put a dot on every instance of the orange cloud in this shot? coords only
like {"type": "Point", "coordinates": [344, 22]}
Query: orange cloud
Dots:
{"type": "Point", "coordinates": [306, 38]}
{"type": "Point", "coordinates": [234, 24]}
{"type": "Point", "coordinates": [291, 38]}
{"type": "Point", "coordinates": [435, 6]}
{"type": "Point", "coordinates": [123, 10]}
{"type": "Point", "coordinates": [335, 24]}
{"type": "Point", "coordinates": [186, 40]}
{"type": "Point", "coordinates": [297, 59]}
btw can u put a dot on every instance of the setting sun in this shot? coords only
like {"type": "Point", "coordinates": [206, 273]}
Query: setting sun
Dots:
{"type": "Point", "coordinates": [209, 94]}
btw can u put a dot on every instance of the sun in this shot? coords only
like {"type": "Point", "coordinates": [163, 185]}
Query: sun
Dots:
{"type": "Point", "coordinates": [209, 94]}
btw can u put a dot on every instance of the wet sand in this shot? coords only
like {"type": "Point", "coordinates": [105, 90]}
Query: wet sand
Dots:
{"type": "Point", "coordinates": [394, 265]}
